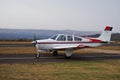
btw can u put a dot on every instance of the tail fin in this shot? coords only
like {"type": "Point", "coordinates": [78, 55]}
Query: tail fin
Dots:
{"type": "Point", "coordinates": [106, 35]}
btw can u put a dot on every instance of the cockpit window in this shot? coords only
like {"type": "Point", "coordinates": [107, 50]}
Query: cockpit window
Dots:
{"type": "Point", "coordinates": [69, 38]}
{"type": "Point", "coordinates": [53, 37]}
{"type": "Point", "coordinates": [61, 38]}
{"type": "Point", "coordinates": [77, 39]}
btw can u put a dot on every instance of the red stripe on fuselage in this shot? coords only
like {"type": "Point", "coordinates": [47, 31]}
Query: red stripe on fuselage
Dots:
{"type": "Point", "coordinates": [80, 45]}
{"type": "Point", "coordinates": [93, 41]}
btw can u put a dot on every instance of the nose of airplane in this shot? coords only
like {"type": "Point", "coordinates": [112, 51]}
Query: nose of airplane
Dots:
{"type": "Point", "coordinates": [34, 42]}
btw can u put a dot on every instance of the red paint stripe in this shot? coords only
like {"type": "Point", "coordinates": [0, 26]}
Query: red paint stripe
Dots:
{"type": "Point", "coordinates": [92, 41]}
{"type": "Point", "coordinates": [108, 28]}
{"type": "Point", "coordinates": [80, 45]}
{"type": "Point", "coordinates": [58, 42]}
{"type": "Point", "coordinates": [95, 40]}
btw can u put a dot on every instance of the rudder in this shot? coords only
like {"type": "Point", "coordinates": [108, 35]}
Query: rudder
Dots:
{"type": "Point", "coordinates": [106, 35]}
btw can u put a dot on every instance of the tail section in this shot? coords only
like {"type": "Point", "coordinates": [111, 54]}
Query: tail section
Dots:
{"type": "Point", "coordinates": [106, 35]}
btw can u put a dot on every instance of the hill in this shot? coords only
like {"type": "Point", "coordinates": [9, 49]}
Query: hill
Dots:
{"type": "Point", "coordinates": [17, 34]}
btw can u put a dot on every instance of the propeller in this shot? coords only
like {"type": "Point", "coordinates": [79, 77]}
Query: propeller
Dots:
{"type": "Point", "coordinates": [34, 42]}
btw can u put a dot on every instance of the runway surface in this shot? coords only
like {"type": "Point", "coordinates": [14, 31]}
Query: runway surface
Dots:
{"type": "Point", "coordinates": [46, 57]}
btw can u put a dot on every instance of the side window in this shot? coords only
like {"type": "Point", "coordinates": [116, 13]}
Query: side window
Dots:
{"type": "Point", "coordinates": [62, 38]}
{"type": "Point", "coordinates": [77, 39]}
{"type": "Point", "coordinates": [69, 38]}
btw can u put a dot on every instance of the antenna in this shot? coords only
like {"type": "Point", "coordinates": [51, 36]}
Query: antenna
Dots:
{"type": "Point", "coordinates": [73, 35]}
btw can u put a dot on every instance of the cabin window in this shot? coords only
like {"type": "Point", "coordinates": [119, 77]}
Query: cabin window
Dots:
{"type": "Point", "coordinates": [62, 38]}
{"type": "Point", "coordinates": [69, 38]}
{"type": "Point", "coordinates": [77, 39]}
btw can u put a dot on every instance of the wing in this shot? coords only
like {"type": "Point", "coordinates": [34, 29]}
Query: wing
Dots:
{"type": "Point", "coordinates": [68, 47]}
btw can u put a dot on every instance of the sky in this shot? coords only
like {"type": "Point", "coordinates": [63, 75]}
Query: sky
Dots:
{"type": "Point", "coordinates": [86, 15]}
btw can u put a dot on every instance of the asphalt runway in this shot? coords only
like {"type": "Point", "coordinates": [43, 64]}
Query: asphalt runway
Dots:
{"type": "Point", "coordinates": [47, 57]}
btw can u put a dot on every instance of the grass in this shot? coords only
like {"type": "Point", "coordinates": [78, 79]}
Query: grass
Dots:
{"type": "Point", "coordinates": [17, 50]}
{"type": "Point", "coordinates": [15, 42]}
{"type": "Point", "coordinates": [109, 48]}
{"type": "Point", "coordinates": [69, 70]}
{"type": "Point", "coordinates": [78, 70]}
{"type": "Point", "coordinates": [32, 50]}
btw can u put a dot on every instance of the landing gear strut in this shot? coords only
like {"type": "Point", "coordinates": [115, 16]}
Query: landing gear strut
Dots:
{"type": "Point", "coordinates": [37, 55]}
{"type": "Point", "coordinates": [68, 53]}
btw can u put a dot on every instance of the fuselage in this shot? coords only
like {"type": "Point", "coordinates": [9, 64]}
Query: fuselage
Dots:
{"type": "Point", "coordinates": [61, 41]}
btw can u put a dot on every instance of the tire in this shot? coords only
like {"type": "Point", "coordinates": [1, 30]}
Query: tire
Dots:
{"type": "Point", "coordinates": [67, 57]}
{"type": "Point", "coordinates": [36, 56]}
{"type": "Point", "coordinates": [55, 53]}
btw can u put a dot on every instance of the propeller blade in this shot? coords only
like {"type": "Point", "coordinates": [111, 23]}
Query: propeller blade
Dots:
{"type": "Point", "coordinates": [34, 42]}
{"type": "Point", "coordinates": [34, 37]}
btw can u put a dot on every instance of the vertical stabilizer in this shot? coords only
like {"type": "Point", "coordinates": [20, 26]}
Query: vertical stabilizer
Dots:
{"type": "Point", "coordinates": [106, 35]}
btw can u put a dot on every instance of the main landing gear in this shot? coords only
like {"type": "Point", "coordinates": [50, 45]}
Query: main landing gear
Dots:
{"type": "Point", "coordinates": [55, 53]}
{"type": "Point", "coordinates": [68, 53]}
{"type": "Point", "coordinates": [67, 57]}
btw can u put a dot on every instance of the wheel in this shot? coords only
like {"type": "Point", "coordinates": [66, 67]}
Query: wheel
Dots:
{"type": "Point", "coordinates": [55, 53]}
{"type": "Point", "coordinates": [37, 56]}
{"type": "Point", "coordinates": [67, 57]}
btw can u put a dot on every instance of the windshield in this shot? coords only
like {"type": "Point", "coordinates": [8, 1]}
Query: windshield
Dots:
{"type": "Point", "coordinates": [53, 37]}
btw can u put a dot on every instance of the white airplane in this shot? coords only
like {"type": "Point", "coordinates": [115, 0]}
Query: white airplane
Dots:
{"type": "Point", "coordinates": [68, 43]}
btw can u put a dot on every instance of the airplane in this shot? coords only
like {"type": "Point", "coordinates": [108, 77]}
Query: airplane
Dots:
{"type": "Point", "coordinates": [68, 43]}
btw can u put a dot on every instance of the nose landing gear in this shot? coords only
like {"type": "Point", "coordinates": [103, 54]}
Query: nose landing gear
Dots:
{"type": "Point", "coordinates": [37, 55]}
